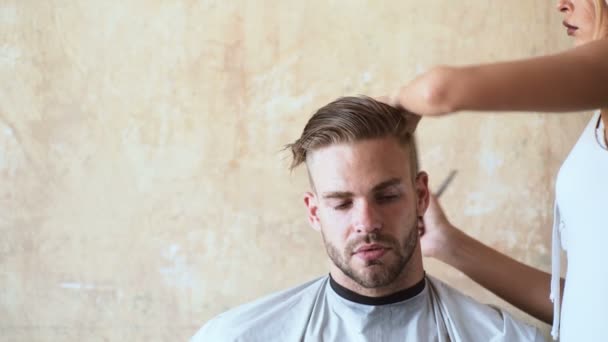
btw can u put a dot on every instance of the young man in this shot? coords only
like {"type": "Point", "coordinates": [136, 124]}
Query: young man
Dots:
{"type": "Point", "coordinates": [367, 200]}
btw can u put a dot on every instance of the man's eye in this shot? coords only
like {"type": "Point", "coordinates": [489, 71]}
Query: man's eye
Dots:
{"type": "Point", "coordinates": [343, 206]}
{"type": "Point", "coordinates": [387, 198]}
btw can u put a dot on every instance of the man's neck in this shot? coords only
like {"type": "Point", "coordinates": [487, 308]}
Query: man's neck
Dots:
{"type": "Point", "coordinates": [396, 297]}
{"type": "Point", "coordinates": [409, 277]}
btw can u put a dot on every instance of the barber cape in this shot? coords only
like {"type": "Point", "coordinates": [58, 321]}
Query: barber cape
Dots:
{"type": "Point", "coordinates": [322, 310]}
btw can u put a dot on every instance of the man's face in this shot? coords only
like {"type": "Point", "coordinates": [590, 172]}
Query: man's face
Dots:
{"type": "Point", "coordinates": [366, 206]}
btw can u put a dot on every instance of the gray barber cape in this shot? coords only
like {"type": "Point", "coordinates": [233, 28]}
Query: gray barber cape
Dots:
{"type": "Point", "coordinates": [314, 311]}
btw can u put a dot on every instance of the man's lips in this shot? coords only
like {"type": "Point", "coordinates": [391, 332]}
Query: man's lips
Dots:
{"type": "Point", "coordinates": [368, 247]}
{"type": "Point", "coordinates": [370, 252]}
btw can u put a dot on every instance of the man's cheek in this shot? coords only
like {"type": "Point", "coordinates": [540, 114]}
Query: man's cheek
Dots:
{"type": "Point", "coordinates": [334, 218]}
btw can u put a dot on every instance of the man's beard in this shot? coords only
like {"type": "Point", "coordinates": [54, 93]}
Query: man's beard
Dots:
{"type": "Point", "coordinates": [384, 272]}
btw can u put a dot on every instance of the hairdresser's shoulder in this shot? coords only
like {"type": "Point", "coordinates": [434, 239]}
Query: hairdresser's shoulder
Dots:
{"type": "Point", "coordinates": [260, 319]}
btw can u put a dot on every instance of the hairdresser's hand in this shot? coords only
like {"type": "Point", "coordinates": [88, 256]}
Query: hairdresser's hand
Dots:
{"type": "Point", "coordinates": [438, 234]}
{"type": "Point", "coordinates": [428, 94]}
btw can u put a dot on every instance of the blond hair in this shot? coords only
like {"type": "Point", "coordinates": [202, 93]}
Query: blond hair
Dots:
{"type": "Point", "coordinates": [351, 119]}
{"type": "Point", "coordinates": [600, 8]}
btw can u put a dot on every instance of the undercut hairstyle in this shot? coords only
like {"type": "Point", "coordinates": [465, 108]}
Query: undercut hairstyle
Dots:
{"type": "Point", "coordinates": [355, 118]}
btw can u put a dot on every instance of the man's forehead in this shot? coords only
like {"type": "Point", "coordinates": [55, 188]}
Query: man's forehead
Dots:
{"type": "Point", "coordinates": [330, 151]}
{"type": "Point", "coordinates": [341, 168]}
{"type": "Point", "coordinates": [362, 155]}
{"type": "Point", "coordinates": [361, 149]}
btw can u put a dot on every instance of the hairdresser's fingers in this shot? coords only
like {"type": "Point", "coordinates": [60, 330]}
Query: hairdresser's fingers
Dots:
{"type": "Point", "coordinates": [416, 97]}
{"type": "Point", "coordinates": [390, 100]}
{"type": "Point", "coordinates": [435, 229]}
{"type": "Point", "coordinates": [408, 97]}
{"type": "Point", "coordinates": [395, 97]}
{"type": "Point", "coordinates": [384, 99]}
{"type": "Point", "coordinates": [393, 100]}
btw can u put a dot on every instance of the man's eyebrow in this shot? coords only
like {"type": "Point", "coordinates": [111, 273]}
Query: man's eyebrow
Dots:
{"type": "Point", "coordinates": [337, 194]}
{"type": "Point", "coordinates": [387, 184]}
{"type": "Point", "coordinates": [347, 194]}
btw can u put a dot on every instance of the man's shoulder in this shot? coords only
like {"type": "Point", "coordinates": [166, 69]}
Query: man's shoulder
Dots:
{"type": "Point", "coordinates": [250, 321]}
{"type": "Point", "coordinates": [466, 315]}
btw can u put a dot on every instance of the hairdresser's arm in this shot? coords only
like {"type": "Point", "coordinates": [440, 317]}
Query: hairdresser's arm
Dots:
{"type": "Point", "coordinates": [574, 80]}
{"type": "Point", "coordinates": [524, 287]}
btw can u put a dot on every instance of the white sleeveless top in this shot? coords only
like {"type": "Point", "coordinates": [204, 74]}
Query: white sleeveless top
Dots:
{"type": "Point", "coordinates": [581, 228]}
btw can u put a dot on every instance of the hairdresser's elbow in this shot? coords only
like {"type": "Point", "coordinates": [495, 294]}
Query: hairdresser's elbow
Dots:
{"type": "Point", "coordinates": [440, 92]}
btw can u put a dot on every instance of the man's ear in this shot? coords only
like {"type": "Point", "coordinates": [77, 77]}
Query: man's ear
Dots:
{"type": "Point", "coordinates": [422, 192]}
{"type": "Point", "coordinates": [312, 207]}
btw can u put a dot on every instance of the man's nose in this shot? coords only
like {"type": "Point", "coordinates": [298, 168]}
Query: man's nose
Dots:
{"type": "Point", "coordinates": [367, 218]}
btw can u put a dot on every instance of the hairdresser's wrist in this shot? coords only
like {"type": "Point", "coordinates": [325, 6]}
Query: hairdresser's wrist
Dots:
{"type": "Point", "coordinates": [452, 243]}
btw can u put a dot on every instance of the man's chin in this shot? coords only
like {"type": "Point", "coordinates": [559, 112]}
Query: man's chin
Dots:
{"type": "Point", "coordinates": [362, 263]}
{"type": "Point", "coordinates": [372, 280]}
{"type": "Point", "coordinates": [369, 272]}
{"type": "Point", "coordinates": [374, 274]}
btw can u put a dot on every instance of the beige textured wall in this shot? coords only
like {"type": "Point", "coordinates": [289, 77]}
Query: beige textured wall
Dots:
{"type": "Point", "coordinates": [141, 186]}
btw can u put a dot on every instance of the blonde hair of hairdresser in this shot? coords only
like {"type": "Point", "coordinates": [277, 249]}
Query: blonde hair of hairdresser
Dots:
{"type": "Point", "coordinates": [600, 7]}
